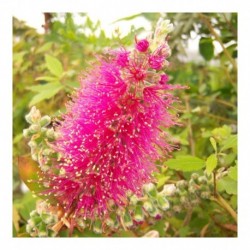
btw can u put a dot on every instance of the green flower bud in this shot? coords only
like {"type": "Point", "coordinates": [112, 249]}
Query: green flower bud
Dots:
{"type": "Point", "coordinates": [152, 234]}
{"type": "Point", "coordinates": [182, 184]}
{"type": "Point", "coordinates": [33, 221]}
{"type": "Point", "coordinates": [133, 200]}
{"type": "Point", "coordinates": [34, 213]}
{"type": "Point", "coordinates": [42, 232]}
{"type": "Point", "coordinates": [26, 133]}
{"type": "Point", "coordinates": [29, 228]}
{"type": "Point", "coordinates": [168, 190]}
{"type": "Point", "coordinates": [184, 200]}
{"type": "Point", "coordinates": [202, 180]}
{"type": "Point", "coordinates": [127, 219]}
{"type": "Point", "coordinates": [34, 128]}
{"type": "Point", "coordinates": [45, 121]}
{"type": "Point", "coordinates": [148, 206]}
{"type": "Point", "coordinates": [138, 215]}
{"type": "Point", "coordinates": [194, 177]}
{"type": "Point", "coordinates": [156, 213]}
{"type": "Point", "coordinates": [150, 189]}
{"type": "Point", "coordinates": [97, 227]}
{"type": "Point", "coordinates": [51, 134]}
{"type": "Point", "coordinates": [111, 220]}
{"type": "Point", "coordinates": [81, 223]}
{"type": "Point", "coordinates": [163, 203]}
{"type": "Point", "coordinates": [34, 116]}
{"type": "Point", "coordinates": [47, 218]}
{"type": "Point", "coordinates": [205, 195]}
{"type": "Point", "coordinates": [32, 144]}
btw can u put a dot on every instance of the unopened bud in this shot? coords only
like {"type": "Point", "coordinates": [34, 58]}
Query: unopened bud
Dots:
{"type": "Point", "coordinates": [156, 213]}
{"type": "Point", "coordinates": [182, 184]}
{"type": "Point", "coordinates": [32, 144]}
{"type": "Point", "coordinates": [45, 121]}
{"type": "Point", "coordinates": [139, 215]}
{"type": "Point", "coordinates": [202, 180]}
{"type": "Point", "coordinates": [97, 227]}
{"type": "Point", "coordinates": [194, 176]}
{"type": "Point", "coordinates": [152, 234]}
{"type": "Point", "coordinates": [205, 195]}
{"type": "Point", "coordinates": [168, 190]}
{"type": "Point", "coordinates": [26, 133]}
{"type": "Point", "coordinates": [177, 208]}
{"type": "Point", "coordinates": [34, 213]}
{"type": "Point", "coordinates": [81, 223]}
{"type": "Point", "coordinates": [42, 232]}
{"type": "Point", "coordinates": [34, 221]}
{"type": "Point", "coordinates": [34, 115]}
{"type": "Point", "coordinates": [133, 200]}
{"type": "Point", "coordinates": [29, 228]}
{"type": "Point", "coordinates": [47, 218]}
{"type": "Point", "coordinates": [163, 203]}
{"type": "Point", "coordinates": [51, 133]}
{"type": "Point", "coordinates": [34, 128]}
{"type": "Point", "coordinates": [150, 189]}
{"type": "Point", "coordinates": [127, 219]}
{"type": "Point", "coordinates": [148, 206]}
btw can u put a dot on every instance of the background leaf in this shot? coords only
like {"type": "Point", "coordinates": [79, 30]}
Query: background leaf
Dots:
{"type": "Point", "coordinates": [206, 48]}
{"type": "Point", "coordinates": [54, 65]}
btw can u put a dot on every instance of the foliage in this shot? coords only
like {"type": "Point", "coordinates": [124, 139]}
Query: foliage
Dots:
{"type": "Point", "coordinates": [199, 183]}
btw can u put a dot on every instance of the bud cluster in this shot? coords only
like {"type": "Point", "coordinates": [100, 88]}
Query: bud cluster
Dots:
{"type": "Point", "coordinates": [40, 136]}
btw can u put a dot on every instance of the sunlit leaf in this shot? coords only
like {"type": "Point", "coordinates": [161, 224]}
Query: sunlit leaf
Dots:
{"type": "Point", "coordinates": [206, 48]}
{"type": "Point", "coordinates": [186, 163]}
{"type": "Point", "coordinates": [54, 65]}
{"type": "Point", "coordinates": [211, 163]}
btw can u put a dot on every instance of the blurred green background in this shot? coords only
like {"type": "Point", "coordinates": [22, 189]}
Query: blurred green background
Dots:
{"type": "Point", "coordinates": [204, 57]}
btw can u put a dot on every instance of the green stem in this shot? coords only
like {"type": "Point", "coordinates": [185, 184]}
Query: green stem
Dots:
{"type": "Point", "coordinates": [223, 203]}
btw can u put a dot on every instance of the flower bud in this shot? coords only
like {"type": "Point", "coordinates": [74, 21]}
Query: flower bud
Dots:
{"type": "Point", "coordinates": [205, 195]}
{"type": "Point", "coordinates": [47, 218]}
{"type": "Point", "coordinates": [45, 168]}
{"type": "Point", "coordinates": [138, 215]}
{"type": "Point", "coordinates": [177, 208]}
{"type": "Point", "coordinates": [26, 133]}
{"type": "Point", "coordinates": [34, 128]}
{"type": "Point", "coordinates": [97, 227]}
{"type": "Point", "coordinates": [34, 221]}
{"type": "Point", "coordinates": [142, 45]}
{"type": "Point", "coordinates": [51, 133]}
{"type": "Point", "coordinates": [42, 232]}
{"type": "Point", "coordinates": [32, 145]}
{"type": "Point", "coordinates": [45, 121]}
{"type": "Point", "coordinates": [133, 200]}
{"type": "Point", "coordinates": [34, 115]}
{"type": "Point", "coordinates": [163, 203]}
{"type": "Point", "coordinates": [81, 223]}
{"type": "Point", "coordinates": [182, 184]}
{"type": "Point", "coordinates": [150, 189]}
{"type": "Point", "coordinates": [152, 234]}
{"type": "Point", "coordinates": [202, 180]}
{"type": "Point", "coordinates": [29, 228]}
{"type": "Point", "coordinates": [127, 219]}
{"type": "Point", "coordinates": [168, 190]}
{"type": "Point", "coordinates": [148, 206]}
{"type": "Point", "coordinates": [156, 213]}
{"type": "Point", "coordinates": [34, 213]}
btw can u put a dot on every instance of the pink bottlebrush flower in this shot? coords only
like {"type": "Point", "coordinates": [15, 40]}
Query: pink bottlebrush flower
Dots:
{"type": "Point", "coordinates": [111, 135]}
{"type": "Point", "coordinates": [142, 45]}
{"type": "Point", "coordinates": [163, 79]}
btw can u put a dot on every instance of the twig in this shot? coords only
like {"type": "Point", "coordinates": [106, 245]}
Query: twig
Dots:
{"type": "Point", "coordinates": [206, 20]}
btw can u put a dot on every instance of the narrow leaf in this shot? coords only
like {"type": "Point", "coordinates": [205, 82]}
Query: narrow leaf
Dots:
{"type": "Point", "coordinates": [211, 163]}
{"type": "Point", "coordinates": [231, 142]}
{"type": "Point", "coordinates": [213, 142]}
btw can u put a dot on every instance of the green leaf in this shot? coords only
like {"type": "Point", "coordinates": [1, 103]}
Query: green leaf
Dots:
{"type": "Point", "coordinates": [206, 48]}
{"type": "Point", "coordinates": [54, 65]}
{"type": "Point", "coordinates": [231, 142]}
{"type": "Point", "coordinates": [213, 142]}
{"type": "Point", "coordinates": [211, 163]}
{"type": "Point", "coordinates": [44, 48]}
{"type": "Point", "coordinates": [233, 173]}
{"type": "Point", "coordinates": [186, 163]}
{"type": "Point", "coordinates": [44, 87]}
{"type": "Point", "coordinates": [45, 93]}
{"type": "Point", "coordinates": [46, 78]}
{"type": "Point", "coordinates": [227, 184]}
